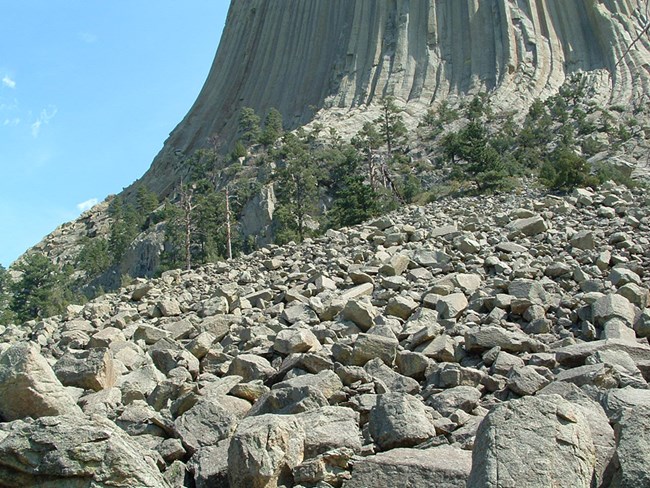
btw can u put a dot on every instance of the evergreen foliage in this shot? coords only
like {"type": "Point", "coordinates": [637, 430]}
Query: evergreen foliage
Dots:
{"type": "Point", "coordinates": [249, 126]}
{"type": "Point", "coordinates": [354, 200]}
{"type": "Point", "coordinates": [94, 257]}
{"type": "Point", "coordinates": [125, 226]}
{"type": "Point", "coordinates": [273, 129]}
{"type": "Point", "coordinates": [6, 315]}
{"type": "Point", "coordinates": [297, 189]}
{"type": "Point", "coordinates": [391, 124]}
{"type": "Point", "coordinates": [41, 291]}
{"type": "Point", "coordinates": [146, 201]}
{"type": "Point", "coordinates": [565, 170]}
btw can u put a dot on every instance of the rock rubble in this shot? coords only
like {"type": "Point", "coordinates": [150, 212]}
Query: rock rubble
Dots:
{"type": "Point", "coordinates": [492, 341]}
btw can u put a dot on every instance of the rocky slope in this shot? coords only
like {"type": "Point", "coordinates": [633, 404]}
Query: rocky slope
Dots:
{"type": "Point", "coordinates": [332, 59]}
{"type": "Point", "coordinates": [494, 341]}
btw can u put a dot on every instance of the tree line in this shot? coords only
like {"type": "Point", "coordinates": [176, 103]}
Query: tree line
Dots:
{"type": "Point", "coordinates": [321, 182]}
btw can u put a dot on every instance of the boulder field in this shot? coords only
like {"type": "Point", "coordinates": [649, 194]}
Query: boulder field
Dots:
{"type": "Point", "coordinates": [495, 341]}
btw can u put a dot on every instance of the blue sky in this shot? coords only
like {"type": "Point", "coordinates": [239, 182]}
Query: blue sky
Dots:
{"type": "Point", "coordinates": [89, 91]}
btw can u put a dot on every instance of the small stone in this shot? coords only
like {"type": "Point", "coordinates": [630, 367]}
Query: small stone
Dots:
{"type": "Point", "coordinates": [451, 306]}
{"type": "Point", "coordinates": [361, 312]}
{"type": "Point", "coordinates": [401, 307]}
{"type": "Point", "coordinates": [584, 240]}
{"type": "Point", "coordinates": [529, 227]}
{"type": "Point", "coordinates": [525, 380]}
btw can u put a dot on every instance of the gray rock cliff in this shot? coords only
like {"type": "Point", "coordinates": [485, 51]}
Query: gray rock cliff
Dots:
{"type": "Point", "coordinates": [331, 59]}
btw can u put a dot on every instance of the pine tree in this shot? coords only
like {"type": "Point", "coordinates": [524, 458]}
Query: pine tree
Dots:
{"type": "Point", "coordinates": [5, 296]}
{"type": "Point", "coordinates": [41, 289]}
{"type": "Point", "coordinates": [249, 126]}
{"type": "Point", "coordinates": [297, 189]}
{"type": "Point", "coordinates": [125, 226]}
{"type": "Point", "coordinates": [354, 200]}
{"type": "Point", "coordinates": [146, 201]}
{"type": "Point", "coordinates": [94, 257]}
{"type": "Point", "coordinates": [369, 140]}
{"type": "Point", "coordinates": [391, 124]}
{"type": "Point", "coordinates": [273, 129]}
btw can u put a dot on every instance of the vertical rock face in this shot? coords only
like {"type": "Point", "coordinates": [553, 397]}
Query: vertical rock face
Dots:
{"type": "Point", "coordinates": [326, 58]}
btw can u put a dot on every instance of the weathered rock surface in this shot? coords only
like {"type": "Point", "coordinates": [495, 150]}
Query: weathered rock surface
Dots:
{"type": "Point", "coordinates": [29, 387]}
{"type": "Point", "coordinates": [444, 467]}
{"type": "Point", "coordinates": [443, 344]}
{"type": "Point", "coordinates": [350, 53]}
{"type": "Point", "coordinates": [548, 433]}
{"type": "Point", "coordinates": [72, 451]}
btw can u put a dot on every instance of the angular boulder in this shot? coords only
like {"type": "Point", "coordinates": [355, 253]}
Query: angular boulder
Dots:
{"type": "Point", "coordinates": [399, 420]}
{"type": "Point", "coordinates": [90, 369]}
{"type": "Point", "coordinates": [440, 467]}
{"type": "Point", "coordinates": [264, 450]}
{"type": "Point", "coordinates": [533, 442]}
{"type": "Point", "coordinates": [29, 387]}
{"type": "Point", "coordinates": [72, 451]}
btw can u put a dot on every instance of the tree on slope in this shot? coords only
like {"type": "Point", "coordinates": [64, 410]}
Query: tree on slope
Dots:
{"type": "Point", "coordinates": [5, 296]}
{"type": "Point", "coordinates": [41, 289]}
{"type": "Point", "coordinates": [297, 186]}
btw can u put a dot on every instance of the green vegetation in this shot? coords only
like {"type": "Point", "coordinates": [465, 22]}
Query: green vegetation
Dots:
{"type": "Point", "coordinates": [94, 257]}
{"type": "Point", "coordinates": [297, 189]}
{"type": "Point", "coordinates": [273, 129]}
{"type": "Point", "coordinates": [42, 289]}
{"type": "Point", "coordinates": [6, 314]}
{"type": "Point", "coordinates": [491, 152]}
{"type": "Point", "coordinates": [249, 127]}
{"type": "Point", "coordinates": [125, 226]}
{"type": "Point", "coordinates": [320, 181]}
{"type": "Point", "coordinates": [565, 170]}
{"type": "Point", "coordinates": [200, 218]}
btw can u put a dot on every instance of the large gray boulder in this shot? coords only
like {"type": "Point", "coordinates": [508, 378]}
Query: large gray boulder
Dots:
{"type": "Point", "coordinates": [613, 306]}
{"type": "Point", "coordinates": [210, 466]}
{"type": "Point", "coordinates": [329, 428]}
{"type": "Point", "coordinates": [264, 450]}
{"type": "Point", "coordinates": [399, 420]}
{"type": "Point", "coordinates": [460, 397]}
{"type": "Point", "coordinates": [207, 423]}
{"type": "Point", "coordinates": [90, 369]}
{"type": "Point", "coordinates": [601, 431]}
{"type": "Point", "coordinates": [361, 312]}
{"type": "Point", "coordinates": [528, 226]}
{"type": "Point", "coordinates": [440, 467]}
{"type": "Point", "coordinates": [74, 452]}
{"type": "Point", "coordinates": [631, 462]}
{"type": "Point", "coordinates": [480, 339]}
{"type": "Point", "coordinates": [533, 442]}
{"type": "Point", "coordinates": [29, 387]}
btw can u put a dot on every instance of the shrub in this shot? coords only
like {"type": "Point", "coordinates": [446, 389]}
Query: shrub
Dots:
{"type": "Point", "coordinates": [565, 170]}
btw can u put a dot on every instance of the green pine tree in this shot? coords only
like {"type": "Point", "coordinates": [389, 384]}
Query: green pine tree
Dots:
{"type": "Point", "coordinates": [249, 126]}
{"type": "Point", "coordinates": [391, 124]}
{"type": "Point", "coordinates": [273, 129]}
{"type": "Point", "coordinates": [6, 314]}
{"type": "Point", "coordinates": [297, 190]}
{"type": "Point", "coordinates": [94, 257]}
{"type": "Point", "coordinates": [41, 290]}
{"type": "Point", "coordinates": [354, 200]}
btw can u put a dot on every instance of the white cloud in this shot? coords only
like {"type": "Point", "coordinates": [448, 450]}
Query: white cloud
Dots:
{"type": "Point", "coordinates": [88, 37]}
{"type": "Point", "coordinates": [87, 205]}
{"type": "Point", "coordinates": [12, 122]}
{"type": "Point", "coordinates": [8, 82]}
{"type": "Point", "coordinates": [43, 119]}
